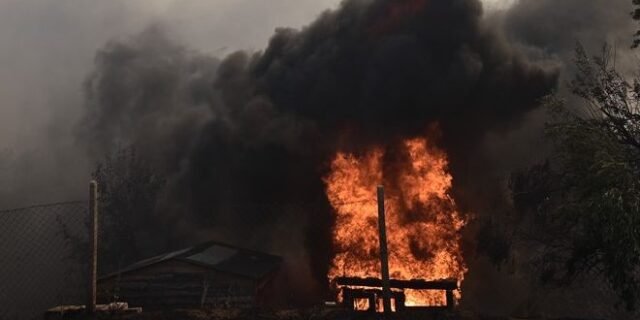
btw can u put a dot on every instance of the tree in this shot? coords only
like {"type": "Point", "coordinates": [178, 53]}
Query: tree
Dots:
{"type": "Point", "coordinates": [584, 201]}
{"type": "Point", "coordinates": [129, 188]}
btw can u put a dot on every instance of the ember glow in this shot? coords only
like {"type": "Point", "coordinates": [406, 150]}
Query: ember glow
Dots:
{"type": "Point", "coordinates": [423, 225]}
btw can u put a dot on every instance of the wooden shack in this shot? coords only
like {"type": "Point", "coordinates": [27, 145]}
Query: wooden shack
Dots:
{"type": "Point", "coordinates": [210, 275]}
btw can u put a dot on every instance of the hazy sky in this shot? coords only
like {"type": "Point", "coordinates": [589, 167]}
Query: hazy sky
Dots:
{"type": "Point", "coordinates": [498, 4]}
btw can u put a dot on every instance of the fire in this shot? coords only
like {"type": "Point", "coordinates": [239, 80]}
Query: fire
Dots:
{"type": "Point", "coordinates": [423, 224]}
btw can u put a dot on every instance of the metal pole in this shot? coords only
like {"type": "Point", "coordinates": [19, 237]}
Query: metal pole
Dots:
{"type": "Point", "coordinates": [93, 264]}
{"type": "Point", "coordinates": [384, 256]}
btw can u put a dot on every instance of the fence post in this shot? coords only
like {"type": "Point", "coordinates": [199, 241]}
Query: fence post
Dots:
{"type": "Point", "coordinates": [93, 264]}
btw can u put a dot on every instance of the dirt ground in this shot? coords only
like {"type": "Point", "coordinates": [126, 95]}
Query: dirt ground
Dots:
{"type": "Point", "coordinates": [293, 314]}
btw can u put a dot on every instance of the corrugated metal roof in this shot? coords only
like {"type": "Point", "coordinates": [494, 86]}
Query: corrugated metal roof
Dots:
{"type": "Point", "coordinates": [218, 256]}
{"type": "Point", "coordinates": [212, 255]}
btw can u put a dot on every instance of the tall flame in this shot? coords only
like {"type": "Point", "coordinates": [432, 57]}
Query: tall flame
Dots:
{"type": "Point", "coordinates": [423, 224]}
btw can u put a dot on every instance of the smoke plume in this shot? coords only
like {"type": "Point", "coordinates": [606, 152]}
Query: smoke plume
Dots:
{"type": "Point", "coordinates": [257, 129]}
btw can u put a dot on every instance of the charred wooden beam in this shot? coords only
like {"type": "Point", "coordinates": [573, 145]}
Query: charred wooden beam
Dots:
{"type": "Point", "coordinates": [384, 255]}
{"type": "Point", "coordinates": [449, 284]}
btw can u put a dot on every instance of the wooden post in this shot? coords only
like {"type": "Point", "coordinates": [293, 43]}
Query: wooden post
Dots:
{"type": "Point", "coordinates": [93, 244]}
{"type": "Point", "coordinates": [384, 256]}
{"type": "Point", "coordinates": [205, 287]}
{"type": "Point", "coordinates": [450, 302]}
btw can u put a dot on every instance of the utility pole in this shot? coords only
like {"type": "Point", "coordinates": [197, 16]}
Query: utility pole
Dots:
{"type": "Point", "coordinates": [384, 255]}
{"type": "Point", "coordinates": [93, 263]}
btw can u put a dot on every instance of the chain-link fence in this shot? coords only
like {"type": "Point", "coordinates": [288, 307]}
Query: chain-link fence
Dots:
{"type": "Point", "coordinates": [41, 261]}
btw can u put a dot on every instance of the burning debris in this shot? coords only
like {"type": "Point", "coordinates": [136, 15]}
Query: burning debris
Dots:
{"type": "Point", "coordinates": [422, 220]}
{"type": "Point", "coordinates": [365, 294]}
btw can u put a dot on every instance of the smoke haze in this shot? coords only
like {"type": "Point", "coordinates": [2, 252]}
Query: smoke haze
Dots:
{"type": "Point", "coordinates": [240, 131]}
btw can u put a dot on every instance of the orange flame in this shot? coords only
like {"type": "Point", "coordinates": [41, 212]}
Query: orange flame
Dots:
{"type": "Point", "coordinates": [423, 224]}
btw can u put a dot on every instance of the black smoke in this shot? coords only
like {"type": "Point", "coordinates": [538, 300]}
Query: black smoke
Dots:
{"type": "Point", "coordinates": [243, 136]}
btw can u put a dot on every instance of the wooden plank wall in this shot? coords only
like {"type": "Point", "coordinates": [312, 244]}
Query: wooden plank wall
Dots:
{"type": "Point", "coordinates": [176, 284]}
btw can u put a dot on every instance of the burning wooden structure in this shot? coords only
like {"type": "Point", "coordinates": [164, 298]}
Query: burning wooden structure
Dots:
{"type": "Point", "coordinates": [210, 275]}
{"type": "Point", "coordinates": [416, 233]}
{"type": "Point", "coordinates": [365, 294]}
